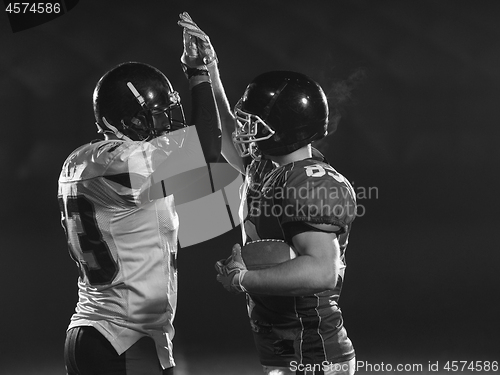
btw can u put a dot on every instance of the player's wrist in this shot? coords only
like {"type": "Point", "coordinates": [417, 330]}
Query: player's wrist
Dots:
{"type": "Point", "coordinates": [194, 71]}
{"type": "Point", "coordinates": [236, 281]}
{"type": "Point", "coordinates": [239, 278]}
{"type": "Point", "coordinates": [194, 81]}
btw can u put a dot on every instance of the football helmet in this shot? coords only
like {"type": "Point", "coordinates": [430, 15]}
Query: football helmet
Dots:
{"type": "Point", "coordinates": [137, 101]}
{"type": "Point", "coordinates": [279, 112]}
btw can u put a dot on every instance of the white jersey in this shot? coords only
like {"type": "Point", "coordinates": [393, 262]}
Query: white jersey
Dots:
{"type": "Point", "coordinates": [124, 244]}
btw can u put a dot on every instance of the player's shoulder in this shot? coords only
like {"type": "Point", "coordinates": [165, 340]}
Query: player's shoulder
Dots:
{"type": "Point", "coordinates": [313, 172]}
{"type": "Point", "coordinates": [95, 158]}
{"type": "Point", "coordinates": [315, 192]}
{"type": "Point", "coordinates": [101, 152]}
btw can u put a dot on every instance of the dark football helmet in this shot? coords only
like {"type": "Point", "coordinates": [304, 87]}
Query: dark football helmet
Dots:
{"type": "Point", "coordinates": [279, 113]}
{"type": "Point", "coordinates": [138, 101]}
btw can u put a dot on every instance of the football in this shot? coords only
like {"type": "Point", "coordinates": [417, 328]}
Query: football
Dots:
{"type": "Point", "coordinates": [266, 253]}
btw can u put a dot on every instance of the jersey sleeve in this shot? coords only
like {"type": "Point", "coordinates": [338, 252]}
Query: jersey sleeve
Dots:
{"type": "Point", "coordinates": [206, 120]}
{"type": "Point", "coordinates": [317, 193]}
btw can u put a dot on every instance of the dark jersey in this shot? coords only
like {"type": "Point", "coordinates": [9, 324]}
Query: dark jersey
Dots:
{"type": "Point", "coordinates": [280, 200]}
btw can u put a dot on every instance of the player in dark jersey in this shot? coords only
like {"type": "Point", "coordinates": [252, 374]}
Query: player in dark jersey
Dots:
{"type": "Point", "coordinates": [292, 194]}
{"type": "Point", "coordinates": [120, 218]}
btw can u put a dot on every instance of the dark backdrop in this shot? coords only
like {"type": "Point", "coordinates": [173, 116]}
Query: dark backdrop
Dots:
{"type": "Point", "coordinates": [418, 137]}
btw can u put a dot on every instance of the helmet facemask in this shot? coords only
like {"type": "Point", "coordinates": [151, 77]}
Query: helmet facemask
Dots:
{"type": "Point", "coordinates": [149, 123]}
{"type": "Point", "coordinates": [249, 129]}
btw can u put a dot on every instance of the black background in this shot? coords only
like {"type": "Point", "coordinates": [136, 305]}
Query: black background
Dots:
{"type": "Point", "coordinates": [420, 132]}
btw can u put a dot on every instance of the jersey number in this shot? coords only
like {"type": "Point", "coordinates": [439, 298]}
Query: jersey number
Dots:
{"type": "Point", "coordinates": [317, 170]}
{"type": "Point", "coordinates": [87, 246]}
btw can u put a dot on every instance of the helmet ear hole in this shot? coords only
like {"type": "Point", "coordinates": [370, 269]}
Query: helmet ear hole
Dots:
{"type": "Point", "coordinates": [138, 121]}
{"type": "Point", "coordinates": [140, 126]}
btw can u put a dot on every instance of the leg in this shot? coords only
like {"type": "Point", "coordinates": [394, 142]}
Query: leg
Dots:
{"type": "Point", "coordinates": [87, 352]}
{"type": "Point", "coordinates": [70, 351]}
{"type": "Point", "coordinates": [142, 359]}
{"type": "Point", "coordinates": [275, 352]}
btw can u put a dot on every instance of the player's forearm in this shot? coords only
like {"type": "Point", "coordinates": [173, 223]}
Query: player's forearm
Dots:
{"type": "Point", "coordinates": [304, 275]}
{"type": "Point", "coordinates": [205, 118]}
{"type": "Point", "coordinates": [223, 105]}
{"type": "Point", "coordinates": [226, 117]}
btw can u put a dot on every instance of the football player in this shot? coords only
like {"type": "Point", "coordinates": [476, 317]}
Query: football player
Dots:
{"type": "Point", "coordinates": [292, 194]}
{"type": "Point", "coordinates": [119, 216]}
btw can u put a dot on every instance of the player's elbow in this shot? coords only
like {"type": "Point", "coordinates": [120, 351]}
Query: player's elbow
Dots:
{"type": "Point", "coordinates": [327, 277]}
{"type": "Point", "coordinates": [329, 280]}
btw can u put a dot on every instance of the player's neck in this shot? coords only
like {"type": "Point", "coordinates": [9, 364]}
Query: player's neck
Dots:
{"type": "Point", "coordinates": [300, 154]}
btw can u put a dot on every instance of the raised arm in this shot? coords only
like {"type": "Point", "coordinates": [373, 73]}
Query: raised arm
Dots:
{"type": "Point", "coordinates": [201, 50]}
{"type": "Point", "coordinates": [204, 116]}
{"type": "Point", "coordinates": [182, 158]}
{"type": "Point", "coordinates": [227, 120]}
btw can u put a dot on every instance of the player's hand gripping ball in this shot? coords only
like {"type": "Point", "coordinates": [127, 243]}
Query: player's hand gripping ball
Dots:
{"type": "Point", "coordinates": [230, 271]}
{"type": "Point", "coordinates": [266, 253]}
{"type": "Point", "coordinates": [253, 256]}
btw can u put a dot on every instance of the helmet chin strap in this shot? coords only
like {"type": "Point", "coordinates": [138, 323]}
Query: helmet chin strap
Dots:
{"type": "Point", "coordinates": [115, 131]}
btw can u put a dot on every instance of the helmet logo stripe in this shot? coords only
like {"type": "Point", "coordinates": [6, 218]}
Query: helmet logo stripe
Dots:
{"type": "Point", "coordinates": [138, 96]}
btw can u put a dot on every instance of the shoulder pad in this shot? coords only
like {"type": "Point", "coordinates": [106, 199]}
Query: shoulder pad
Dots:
{"type": "Point", "coordinates": [315, 192]}
{"type": "Point", "coordinates": [97, 159]}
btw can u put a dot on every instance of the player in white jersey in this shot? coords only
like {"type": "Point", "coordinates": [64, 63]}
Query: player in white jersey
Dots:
{"type": "Point", "coordinates": [119, 216]}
